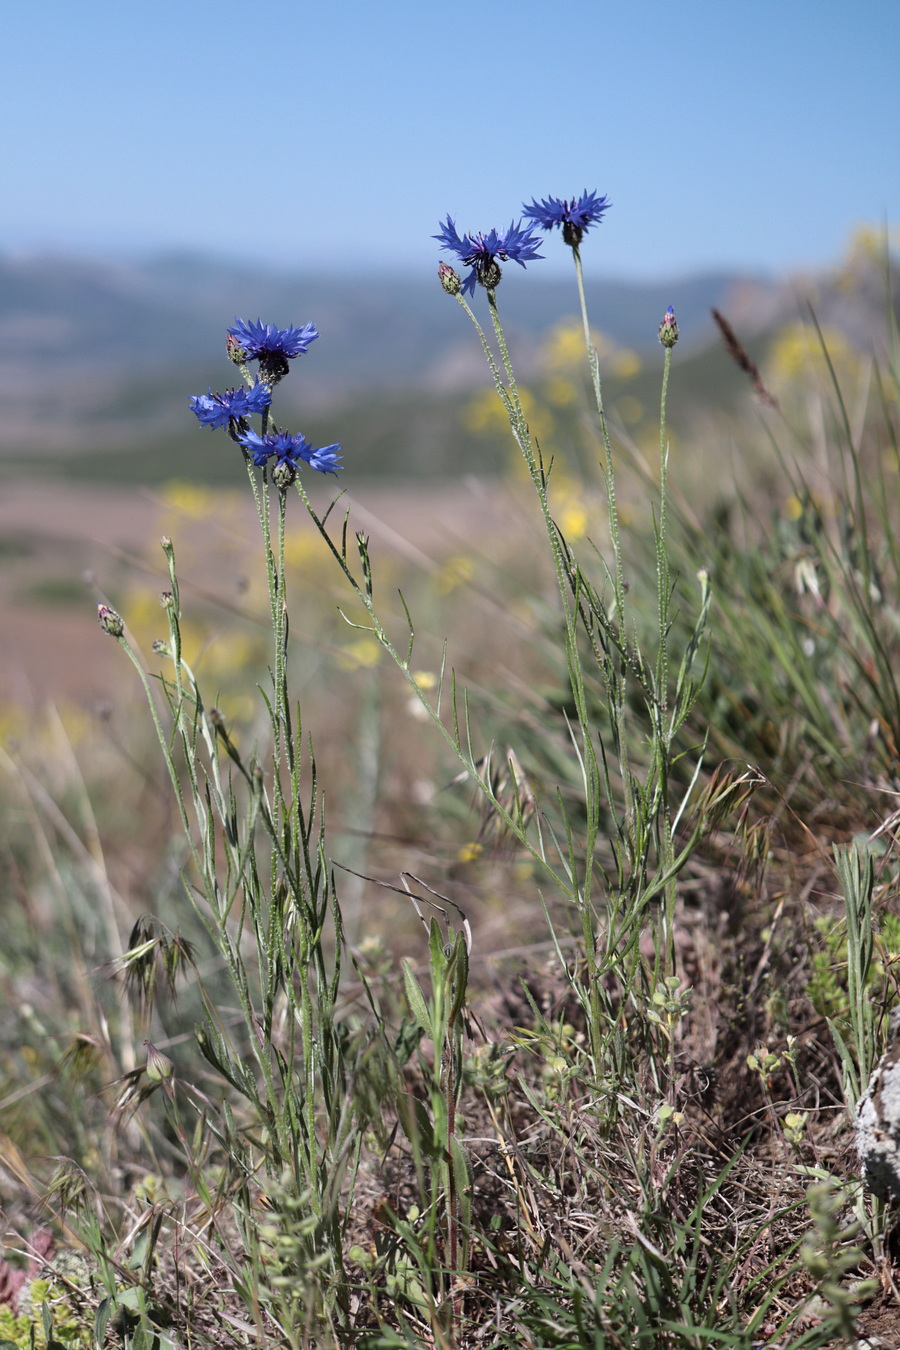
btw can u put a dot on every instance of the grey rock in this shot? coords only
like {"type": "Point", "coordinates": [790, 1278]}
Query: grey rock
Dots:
{"type": "Point", "coordinates": [878, 1121]}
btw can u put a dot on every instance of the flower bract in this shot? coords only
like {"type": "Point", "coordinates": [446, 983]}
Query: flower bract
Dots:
{"type": "Point", "coordinates": [217, 410]}
{"type": "Point", "coordinates": [290, 449]}
{"type": "Point", "coordinates": [573, 217]}
{"type": "Point", "coordinates": [480, 251]}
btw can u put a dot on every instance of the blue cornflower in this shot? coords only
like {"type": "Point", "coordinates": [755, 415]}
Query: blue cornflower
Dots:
{"type": "Point", "coordinates": [288, 449]}
{"type": "Point", "coordinates": [573, 217]}
{"type": "Point", "coordinates": [272, 347]}
{"type": "Point", "coordinates": [217, 410]}
{"type": "Point", "coordinates": [480, 251]}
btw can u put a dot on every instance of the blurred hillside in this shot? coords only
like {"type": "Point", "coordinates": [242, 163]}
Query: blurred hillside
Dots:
{"type": "Point", "coordinates": [98, 359]}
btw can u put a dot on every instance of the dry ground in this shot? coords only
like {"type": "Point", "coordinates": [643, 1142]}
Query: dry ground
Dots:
{"type": "Point", "coordinates": [57, 538]}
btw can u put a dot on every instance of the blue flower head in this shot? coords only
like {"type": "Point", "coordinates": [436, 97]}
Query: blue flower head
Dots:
{"type": "Point", "coordinates": [288, 450]}
{"type": "Point", "coordinates": [573, 217]}
{"type": "Point", "coordinates": [219, 410]}
{"type": "Point", "coordinates": [481, 251]}
{"type": "Point", "coordinates": [272, 347]}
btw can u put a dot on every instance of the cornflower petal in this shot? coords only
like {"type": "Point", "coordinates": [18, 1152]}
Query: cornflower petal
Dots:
{"type": "Point", "coordinates": [258, 447]}
{"type": "Point", "coordinates": [325, 460]}
{"type": "Point", "coordinates": [209, 411]}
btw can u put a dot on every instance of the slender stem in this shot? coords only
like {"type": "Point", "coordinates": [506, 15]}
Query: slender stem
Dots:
{"type": "Point", "coordinates": [593, 360]}
{"type": "Point", "coordinates": [281, 642]}
{"type": "Point", "coordinates": [662, 571]}
{"type": "Point", "coordinates": [167, 753]}
{"type": "Point", "coordinates": [498, 378]}
{"type": "Point", "coordinates": [277, 614]}
{"type": "Point", "coordinates": [522, 433]}
{"type": "Point", "coordinates": [568, 580]}
{"type": "Point", "coordinates": [664, 729]}
{"type": "Point", "coordinates": [616, 681]}
{"type": "Point", "coordinates": [608, 468]}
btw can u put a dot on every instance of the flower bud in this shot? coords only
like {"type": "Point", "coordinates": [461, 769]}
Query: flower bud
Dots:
{"type": "Point", "coordinates": [159, 1067]}
{"type": "Point", "coordinates": [449, 279]}
{"type": "Point", "coordinates": [668, 329]}
{"type": "Point", "coordinates": [234, 350]}
{"type": "Point", "coordinates": [110, 621]}
{"type": "Point", "coordinates": [284, 474]}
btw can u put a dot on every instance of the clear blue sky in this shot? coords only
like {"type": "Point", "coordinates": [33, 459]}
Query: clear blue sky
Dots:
{"type": "Point", "coordinates": [337, 133]}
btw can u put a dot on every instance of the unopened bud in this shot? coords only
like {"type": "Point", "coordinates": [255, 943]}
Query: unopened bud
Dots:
{"type": "Point", "coordinates": [234, 350]}
{"type": "Point", "coordinates": [110, 621]}
{"type": "Point", "coordinates": [668, 329]}
{"type": "Point", "coordinates": [449, 279]}
{"type": "Point", "coordinates": [166, 599]}
{"type": "Point", "coordinates": [159, 1067]}
{"type": "Point", "coordinates": [284, 474]}
{"type": "Point", "coordinates": [166, 545]}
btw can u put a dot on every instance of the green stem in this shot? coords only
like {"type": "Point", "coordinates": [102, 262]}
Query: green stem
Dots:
{"type": "Point", "coordinates": [608, 467]}
{"type": "Point", "coordinates": [616, 680]}
{"type": "Point", "coordinates": [662, 569]}
{"type": "Point", "coordinates": [522, 433]}
{"type": "Point", "coordinates": [167, 753]}
{"type": "Point", "coordinates": [568, 584]}
{"type": "Point", "coordinates": [661, 713]}
{"type": "Point", "coordinates": [282, 710]}
{"type": "Point", "coordinates": [277, 614]}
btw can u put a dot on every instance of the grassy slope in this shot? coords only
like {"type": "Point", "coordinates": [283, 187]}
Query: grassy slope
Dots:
{"type": "Point", "coordinates": [642, 1154]}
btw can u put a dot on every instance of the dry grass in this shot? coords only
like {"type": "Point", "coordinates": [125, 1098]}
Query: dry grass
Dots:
{"type": "Point", "coordinates": [647, 1177]}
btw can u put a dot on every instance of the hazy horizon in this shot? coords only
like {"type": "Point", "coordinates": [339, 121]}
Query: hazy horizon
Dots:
{"type": "Point", "coordinates": [548, 269]}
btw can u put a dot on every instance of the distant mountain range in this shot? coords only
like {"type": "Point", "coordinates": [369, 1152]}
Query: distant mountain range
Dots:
{"type": "Point", "coordinates": [174, 309]}
{"type": "Point", "coordinates": [97, 356]}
